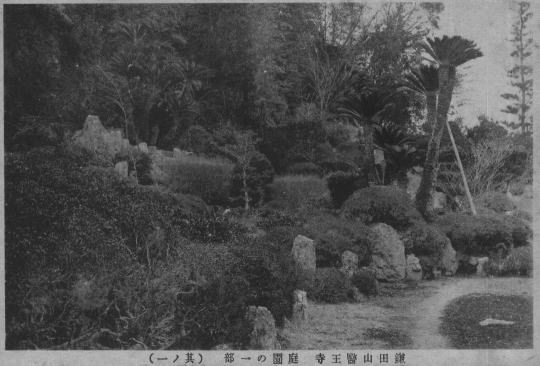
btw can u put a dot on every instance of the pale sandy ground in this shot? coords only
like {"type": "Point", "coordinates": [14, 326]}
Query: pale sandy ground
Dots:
{"type": "Point", "coordinates": [413, 312]}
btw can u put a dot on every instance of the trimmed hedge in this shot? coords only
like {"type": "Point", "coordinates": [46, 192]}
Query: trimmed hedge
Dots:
{"type": "Point", "coordinates": [334, 235]}
{"type": "Point", "coordinates": [422, 239]}
{"type": "Point", "coordinates": [343, 184]}
{"type": "Point", "coordinates": [386, 204]}
{"type": "Point", "coordinates": [478, 235]}
{"type": "Point", "coordinates": [330, 286]}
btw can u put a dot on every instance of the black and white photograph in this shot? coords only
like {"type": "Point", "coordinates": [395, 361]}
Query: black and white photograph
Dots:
{"type": "Point", "coordinates": [268, 178]}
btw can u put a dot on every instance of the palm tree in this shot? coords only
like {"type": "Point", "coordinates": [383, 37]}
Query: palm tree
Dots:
{"type": "Point", "coordinates": [367, 108]}
{"type": "Point", "coordinates": [425, 81]}
{"type": "Point", "coordinates": [448, 53]}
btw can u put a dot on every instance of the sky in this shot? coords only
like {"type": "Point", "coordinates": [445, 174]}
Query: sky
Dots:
{"type": "Point", "coordinates": [489, 24]}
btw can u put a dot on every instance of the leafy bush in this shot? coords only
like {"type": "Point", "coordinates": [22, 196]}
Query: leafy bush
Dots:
{"type": "Point", "coordinates": [343, 184]}
{"type": "Point", "coordinates": [386, 204]}
{"type": "Point", "coordinates": [519, 261]}
{"type": "Point", "coordinates": [478, 235]}
{"type": "Point", "coordinates": [304, 169]}
{"type": "Point", "coordinates": [260, 174]}
{"type": "Point", "coordinates": [334, 235]}
{"type": "Point", "coordinates": [206, 178]}
{"type": "Point", "coordinates": [365, 280]}
{"type": "Point", "coordinates": [495, 201]}
{"type": "Point", "coordinates": [422, 239]}
{"type": "Point", "coordinates": [218, 310]}
{"type": "Point", "coordinates": [330, 286]}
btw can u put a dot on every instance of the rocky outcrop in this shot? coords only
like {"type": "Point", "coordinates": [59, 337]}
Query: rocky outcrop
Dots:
{"type": "Point", "coordinates": [98, 139]}
{"type": "Point", "coordinates": [263, 333]}
{"type": "Point", "coordinates": [387, 253]}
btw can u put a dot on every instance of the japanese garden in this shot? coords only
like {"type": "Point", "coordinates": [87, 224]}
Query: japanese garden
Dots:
{"type": "Point", "coordinates": [265, 176]}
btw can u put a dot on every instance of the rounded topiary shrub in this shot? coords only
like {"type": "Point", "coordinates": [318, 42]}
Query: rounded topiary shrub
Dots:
{"type": "Point", "coordinates": [343, 184]}
{"type": "Point", "coordinates": [334, 235]}
{"type": "Point", "coordinates": [331, 286]}
{"type": "Point", "coordinates": [386, 204]}
{"type": "Point", "coordinates": [478, 235]}
{"type": "Point", "coordinates": [495, 201]}
{"type": "Point", "coordinates": [422, 239]}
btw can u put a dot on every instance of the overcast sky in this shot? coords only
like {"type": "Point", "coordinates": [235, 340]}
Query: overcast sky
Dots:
{"type": "Point", "coordinates": [489, 24]}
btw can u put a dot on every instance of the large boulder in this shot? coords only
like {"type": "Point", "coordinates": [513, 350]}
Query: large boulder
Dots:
{"type": "Point", "coordinates": [448, 263]}
{"type": "Point", "coordinates": [303, 253]}
{"type": "Point", "coordinates": [387, 254]}
{"type": "Point", "coordinates": [263, 334]}
{"type": "Point", "coordinates": [98, 139]}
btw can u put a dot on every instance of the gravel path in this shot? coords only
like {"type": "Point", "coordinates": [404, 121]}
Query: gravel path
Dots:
{"type": "Point", "coordinates": [409, 316]}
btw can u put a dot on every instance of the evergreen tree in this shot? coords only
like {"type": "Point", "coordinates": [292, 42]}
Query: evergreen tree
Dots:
{"type": "Point", "coordinates": [521, 73]}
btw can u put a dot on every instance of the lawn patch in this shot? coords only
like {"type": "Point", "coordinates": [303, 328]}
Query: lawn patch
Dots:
{"type": "Point", "coordinates": [462, 317]}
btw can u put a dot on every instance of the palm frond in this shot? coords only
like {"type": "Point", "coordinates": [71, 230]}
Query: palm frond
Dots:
{"type": "Point", "coordinates": [451, 51]}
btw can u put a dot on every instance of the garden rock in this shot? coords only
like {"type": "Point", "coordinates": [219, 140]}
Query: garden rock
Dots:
{"type": "Point", "coordinates": [480, 266]}
{"type": "Point", "coordinates": [303, 253]}
{"type": "Point", "coordinates": [448, 262]}
{"type": "Point", "coordinates": [349, 263]}
{"type": "Point", "coordinates": [300, 307]}
{"type": "Point", "coordinates": [413, 183]}
{"type": "Point", "coordinates": [122, 168]}
{"type": "Point", "coordinates": [439, 201]}
{"type": "Point", "coordinates": [414, 269]}
{"type": "Point", "coordinates": [143, 147]}
{"type": "Point", "coordinates": [263, 334]}
{"type": "Point", "coordinates": [388, 254]}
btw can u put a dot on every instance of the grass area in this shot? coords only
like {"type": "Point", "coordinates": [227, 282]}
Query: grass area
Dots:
{"type": "Point", "coordinates": [462, 316]}
{"type": "Point", "coordinates": [394, 338]}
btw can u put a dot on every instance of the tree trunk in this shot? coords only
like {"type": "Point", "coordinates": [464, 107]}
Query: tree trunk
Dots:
{"type": "Point", "coordinates": [431, 115]}
{"type": "Point", "coordinates": [429, 175]}
{"type": "Point", "coordinates": [368, 152]}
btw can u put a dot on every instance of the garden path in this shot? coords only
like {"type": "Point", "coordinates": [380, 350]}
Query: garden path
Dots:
{"type": "Point", "coordinates": [405, 316]}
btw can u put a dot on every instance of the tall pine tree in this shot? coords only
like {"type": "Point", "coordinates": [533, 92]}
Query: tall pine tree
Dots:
{"type": "Point", "coordinates": [520, 74]}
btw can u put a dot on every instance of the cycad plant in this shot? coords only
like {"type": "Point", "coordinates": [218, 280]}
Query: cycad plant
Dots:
{"type": "Point", "coordinates": [425, 81]}
{"type": "Point", "coordinates": [402, 151]}
{"type": "Point", "coordinates": [448, 53]}
{"type": "Point", "coordinates": [367, 108]}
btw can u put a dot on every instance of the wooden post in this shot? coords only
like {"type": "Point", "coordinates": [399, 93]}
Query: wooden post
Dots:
{"type": "Point", "coordinates": [462, 171]}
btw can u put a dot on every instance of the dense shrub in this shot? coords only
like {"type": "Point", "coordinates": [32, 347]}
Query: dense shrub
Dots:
{"type": "Point", "coordinates": [495, 201]}
{"type": "Point", "coordinates": [386, 204]}
{"type": "Point", "coordinates": [218, 311]}
{"type": "Point", "coordinates": [422, 239]}
{"type": "Point", "coordinates": [518, 262]}
{"type": "Point", "coordinates": [478, 235]}
{"type": "Point", "coordinates": [296, 192]}
{"type": "Point", "coordinates": [260, 174]}
{"type": "Point", "coordinates": [343, 184]}
{"type": "Point", "coordinates": [304, 169]}
{"type": "Point", "coordinates": [334, 235]}
{"type": "Point", "coordinates": [365, 280]}
{"type": "Point", "coordinates": [330, 286]}
{"type": "Point", "coordinates": [198, 176]}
